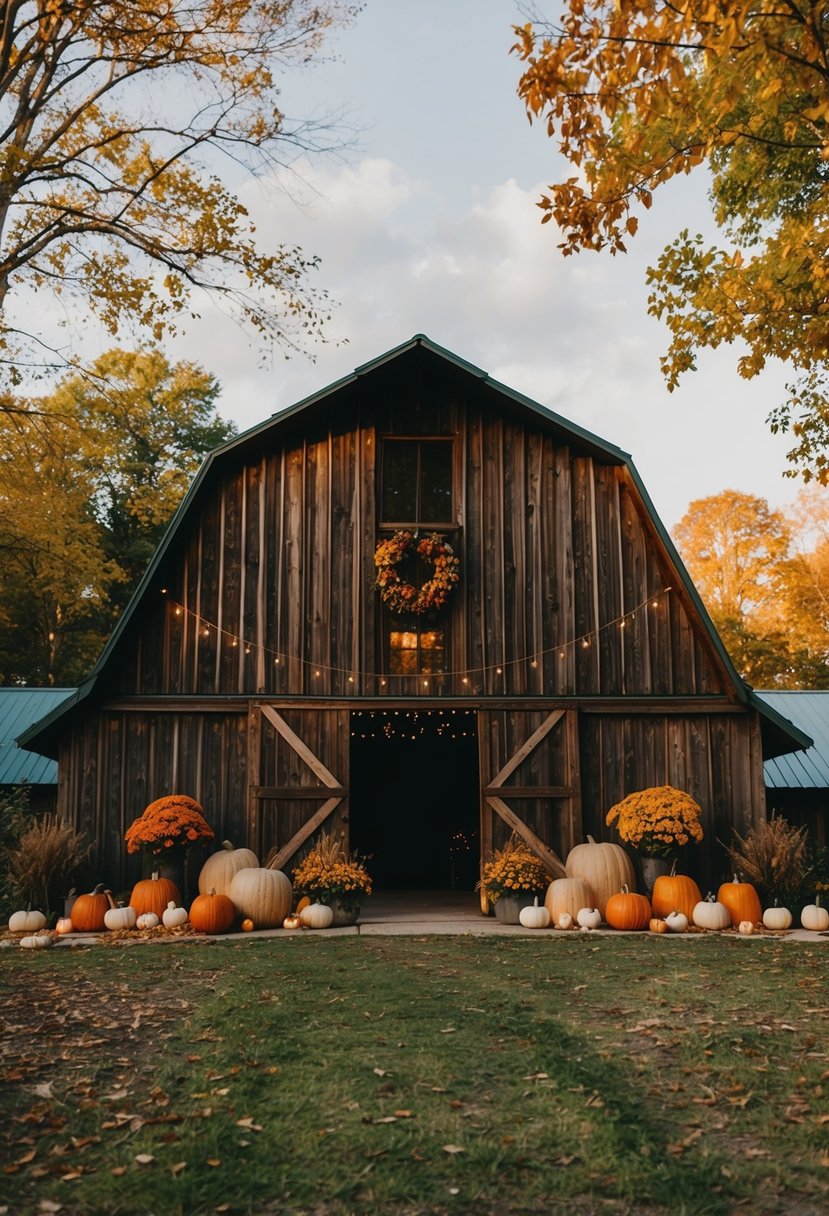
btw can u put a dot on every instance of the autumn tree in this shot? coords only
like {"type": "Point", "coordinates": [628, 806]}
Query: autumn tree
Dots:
{"type": "Point", "coordinates": [89, 478]}
{"type": "Point", "coordinates": [637, 93]}
{"type": "Point", "coordinates": [121, 125]}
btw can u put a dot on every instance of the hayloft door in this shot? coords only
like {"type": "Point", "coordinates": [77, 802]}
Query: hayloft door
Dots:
{"type": "Point", "coordinates": [530, 782]}
{"type": "Point", "coordinates": [298, 766]}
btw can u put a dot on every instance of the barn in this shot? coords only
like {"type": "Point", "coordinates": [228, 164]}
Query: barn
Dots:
{"type": "Point", "coordinates": [259, 668]}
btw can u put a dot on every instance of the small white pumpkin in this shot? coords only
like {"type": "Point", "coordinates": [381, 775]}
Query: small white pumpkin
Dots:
{"type": "Point", "coordinates": [27, 922]}
{"type": "Point", "coordinates": [710, 914]}
{"type": "Point", "coordinates": [39, 941]}
{"type": "Point", "coordinates": [677, 922]}
{"type": "Point", "coordinates": [777, 918]}
{"type": "Point", "coordinates": [589, 918]}
{"type": "Point", "coordinates": [173, 917]}
{"type": "Point", "coordinates": [316, 916]}
{"type": "Point", "coordinates": [147, 920]}
{"type": "Point", "coordinates": [533, 917]}
{"type": "Point", "coordinates": [120, 917]}
{"type": "Point", "coordinates": [746, 927]}
{"type": "Point", "coordinates": [815, 917]}
{"type": "Point", "coordinates": [565, 921]}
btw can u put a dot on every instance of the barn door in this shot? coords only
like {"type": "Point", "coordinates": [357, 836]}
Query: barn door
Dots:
{"type": "Point", "coordinates": [530, 782]}
{"type": "Point", "coordinates": [298, 761]}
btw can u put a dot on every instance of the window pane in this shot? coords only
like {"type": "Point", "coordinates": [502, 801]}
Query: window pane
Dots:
{"type": "Point", "coordinates": [432, 650]}
{"type": "Point", "coordinates": [435, 483]}
{"type": "Point", "coordinates": [399, 482]}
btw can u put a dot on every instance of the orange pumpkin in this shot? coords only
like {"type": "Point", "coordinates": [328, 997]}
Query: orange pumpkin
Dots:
{"type": "Point", "coordinates": [675, 893]}
{"type": "Point", "coordinates": [212, 913]}
{"type": "Point", "coordinates": [741, 900]}
{"type": "Point", "coordinates": [627, 910]}
{"type": "Point", "coordinates": [657, 925]}
{"type": "Point", "coordinates": [88, 911]}
{"type": "Point", "coordinates": [153, 895]}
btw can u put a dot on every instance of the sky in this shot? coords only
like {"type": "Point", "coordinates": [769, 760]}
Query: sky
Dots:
{"type": "Point", "coordinates": [427, 224]}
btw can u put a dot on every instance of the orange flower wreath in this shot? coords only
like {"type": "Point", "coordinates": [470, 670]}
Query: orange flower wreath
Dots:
{"type": "Point", "coordinates": [401, 596]}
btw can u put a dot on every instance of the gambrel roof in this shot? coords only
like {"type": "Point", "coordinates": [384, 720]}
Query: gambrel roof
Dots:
{"type": "Point", "coordinates": [779, 735]}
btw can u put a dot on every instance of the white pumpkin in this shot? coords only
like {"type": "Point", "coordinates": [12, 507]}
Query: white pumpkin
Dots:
{"type": "Point", "coordinates": [147, 920]}
{"type": "Point", "coordinates": [39, 941]}
{"type": "Point", "coordinates": [316, 916]}
{"type": "Point", "coordinates": [746, 927]}
{"type": "Point", "coordinates": [565, 921]}
{"type": "Point", "coordinates": [533, 917]}
{"type": "Point", "coordinates": [589, 918]}
{"type": "Point", "coordinates": [27, 922]}
{"type": "Point", "coordinates": [173, 917]}
{"type": "Point", "coordinates": [777, 918]}
{"type": "Point", "coordinates": [221, 868]}
{"type": "Point", "coordinates": [815, 917]}
{"type": "Point", "coordinates": [263, 895]}
{"type": "Point", "coordinates": [120, 917]}
{"type": "Point", "coordinates": [605, 867]}
{"type": "Point", "coordinates": [711, 914]}
{"type": "Point", "coordinates": [677, 922]}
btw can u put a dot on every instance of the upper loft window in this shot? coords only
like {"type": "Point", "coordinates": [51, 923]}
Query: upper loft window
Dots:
{"type": "Point", "coordinates": [417, 482]}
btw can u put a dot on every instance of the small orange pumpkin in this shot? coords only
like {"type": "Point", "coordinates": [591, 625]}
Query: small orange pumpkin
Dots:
{"type": "Point", "coordinates": [247, 925]}
{"type": "Point", "coordinates": [153, 895]}
{"type": "Point", "coordinates": [657, 925]}
{"type": "Point", "coordinates": [212, 913]}
{"type": "Point", "coordinates": [64, 925]}
{"type": "Point", "coordinates": [627, 910]}
{"type": "Point", "coordinates": [304, 903]}
{"type": "Point", "coordinates": [741, 900]}
{"type": "Point", "coordinates": [675, 893]}
{"type": "Point", "coordinates": [88, 911]}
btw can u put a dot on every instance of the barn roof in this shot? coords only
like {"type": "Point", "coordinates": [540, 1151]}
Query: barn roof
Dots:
{"type": "Point", "coordinates": [779, 735]}
{"type": "Point", "coordinates": [19, 709]}
{"type": "Point", "coordinates": [803, 770]}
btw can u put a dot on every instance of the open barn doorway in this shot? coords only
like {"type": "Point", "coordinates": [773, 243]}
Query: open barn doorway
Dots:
{"type": "Point", "coordinates": [414, 806]}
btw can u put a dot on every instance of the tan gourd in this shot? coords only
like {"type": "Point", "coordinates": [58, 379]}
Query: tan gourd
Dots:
{"type": "Point", "coordinates": [221, 868]}
{"type": "Point", "coordinates": [261, 894]}
{"type": "Point", "coordinates": [567, 895]}
{"type": "Point", "coordinates": [605, 867]}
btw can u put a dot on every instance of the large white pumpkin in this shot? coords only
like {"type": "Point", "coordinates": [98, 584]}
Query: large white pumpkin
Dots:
{"type": "Point", "coordinates": [263, 895]}
{"type": "Point", "coordinates": [221, 868]}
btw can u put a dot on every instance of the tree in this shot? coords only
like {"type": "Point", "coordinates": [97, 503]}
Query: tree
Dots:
{"type": "Point", "coordinates": [636, 93]}
{"type": "Point", "coordinates": [89, 478]}
{"type": "Point", "coordinates": [114, 117]}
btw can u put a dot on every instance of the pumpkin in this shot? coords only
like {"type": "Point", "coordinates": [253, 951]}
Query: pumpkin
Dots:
{"type": "Point", "coordinates": [153, 895]}
{"type": "Point", "coordinates": [27, 922]}
{"type": "Point", "coordinates": [605, 867]}
{"type": "Point", "coordinates": [120, 917]}
{"type": "Point", "coordinates": [677, 922]}
{"type": "Point", "coordinates": [674, 893]}
{"type": "Point", "coordinates": [212, 913]}
{"type": "Point", "coordinates": [173, 917]}
{"type": "Point", "coordinates": [38, 941]}
{"type": "Point", "coordinates": [316, 916]}
{"type": "Point", "coordinates": [261, 894]}
{"type": "Point", "coordinates": [247, 925]}
{"type": "Point", "coordinates": [746, 927]}
{"type": "Point", "coordinates": [64, 925]}
{"type": "Point", "coordinates": [709, 913]}
{"type": "Point", "coordinates": [657, 925]}
{"type": "Point", "coordinates": [742, 901]}
{"type": "Point", "coordinates": [589, 918]}
{"type": "Point", "coordinates": [221, 868]}
{"type": "Point", "coordinates": [88, 911]}
{"type": "Point", "coordinates": [534, 917]}
{"type": "Point", "coordinates": [303, 903]}
{"type": "Point", "coordinates": [567, 895]}
{"type": "Point", "coordinates": [147, 920]}
{"type": "Point", "coordinates": [627, 910]}
{"type": "Point", "coordinates": [777, 918]}
{"type": "Point", "coordinates": [814, 917]}
{"type": "Point", "coordinates": [565, 921]}
{"type": "Point", "coordinates": [292, 922]}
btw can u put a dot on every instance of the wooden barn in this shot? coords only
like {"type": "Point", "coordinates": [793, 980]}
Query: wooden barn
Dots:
{"type": "Point", "coordinates": [259, 669]}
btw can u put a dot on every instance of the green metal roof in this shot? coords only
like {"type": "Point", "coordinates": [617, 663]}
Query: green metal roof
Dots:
{"type": "Point", "coordinates": [779, 735]}
{"type": "Point", "coordinates": [803, 770]}
{"type": "Point", "coordinates": [19, 709]}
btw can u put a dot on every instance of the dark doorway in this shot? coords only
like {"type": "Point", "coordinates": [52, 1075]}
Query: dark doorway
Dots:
{"type": "Point", "coordinates": [414, 798]}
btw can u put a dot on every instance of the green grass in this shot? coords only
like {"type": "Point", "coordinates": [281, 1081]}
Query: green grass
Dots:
{"type": "Point", "coordinates": [432, 1075]}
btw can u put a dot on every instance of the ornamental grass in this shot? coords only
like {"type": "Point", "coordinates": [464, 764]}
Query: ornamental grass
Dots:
{"type": "Point", "coordinates": [513, 870]}
{"type": "Point", "coordinates": [658, 820]}
{"type": "Point", "coordinates": [329, 873]}
{"type": "Point", "coordinates": [48, 852]}
{"type": "Point", "coordinates": [170, 822]}
{"type": "Point", "coordinates": [774, 856]}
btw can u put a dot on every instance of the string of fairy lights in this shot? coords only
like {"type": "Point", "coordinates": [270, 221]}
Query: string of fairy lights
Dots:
{"type": "Point", "coordinates": [467, 676]}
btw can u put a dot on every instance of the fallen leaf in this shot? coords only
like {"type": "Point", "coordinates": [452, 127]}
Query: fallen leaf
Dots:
{"type": "Point", "coordinates": [453, 1148]}
{"type": "Point", "coordinates": [176, 1169]}
{"type": "Point", "coordinates": [213, 1162]}
{"type": "Point", "coordinates": [403, 1114]}
{"type": "Point", "coordinates": [144, 1158]}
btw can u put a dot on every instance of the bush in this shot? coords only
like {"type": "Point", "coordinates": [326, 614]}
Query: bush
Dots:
{"type": "Point", "coordinates": [40, 860]}
{"type": "Point", "coordinates": [775, 857]}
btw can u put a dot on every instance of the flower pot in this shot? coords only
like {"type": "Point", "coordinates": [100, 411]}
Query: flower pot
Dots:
{"type": "Point", "coordinates": [342, 915]}
{"type": "Point", "coordinates": [653, 868]}
{"type": "Point", "coordinates": [508, 907]}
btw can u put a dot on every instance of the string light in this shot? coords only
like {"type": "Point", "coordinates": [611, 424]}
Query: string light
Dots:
{"type": "Point", "coordinates": [205, 627]}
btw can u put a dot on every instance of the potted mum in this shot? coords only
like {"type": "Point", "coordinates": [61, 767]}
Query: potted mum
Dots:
{"type": "Point", "coordinates": [512, 879]}
{"type": "Point", "coordinates": [656, 822]}
{"type": "Point", "coordinates": [330, 875]}
{"type": "Point", "coordinates": [165, 832]}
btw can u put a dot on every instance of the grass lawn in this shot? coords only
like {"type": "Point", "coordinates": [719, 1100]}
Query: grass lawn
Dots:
{"type": "Point", "coordinates": [417, 1075]}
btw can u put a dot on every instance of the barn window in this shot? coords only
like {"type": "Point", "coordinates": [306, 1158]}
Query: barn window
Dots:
{"type": "Point", "coordinates": [417, 483]}
{"type": "Point", "coordinates": [418, 650]}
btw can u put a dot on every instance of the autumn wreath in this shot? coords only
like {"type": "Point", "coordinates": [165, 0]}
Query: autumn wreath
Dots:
{"type": "Point", "coordinates": [401, 596]}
